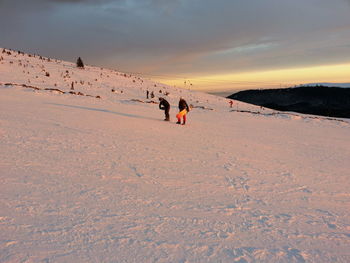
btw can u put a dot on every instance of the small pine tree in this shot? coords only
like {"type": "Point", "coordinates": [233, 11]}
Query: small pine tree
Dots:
{"type": "Point", "coordinates": [80, 63]}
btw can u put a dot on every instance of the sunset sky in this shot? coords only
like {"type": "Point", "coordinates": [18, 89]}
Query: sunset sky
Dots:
{"type": "Point", "coordinates": [200, 44]}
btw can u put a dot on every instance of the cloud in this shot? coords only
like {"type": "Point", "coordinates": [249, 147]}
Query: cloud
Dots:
{"type": "Point", "coordinates": [180, 36]}
{"type": "Point", "coordinates": [90, 2]}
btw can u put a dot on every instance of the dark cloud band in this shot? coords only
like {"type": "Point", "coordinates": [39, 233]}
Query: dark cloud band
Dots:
{"type": "Point", "coordinates": [180, 36]}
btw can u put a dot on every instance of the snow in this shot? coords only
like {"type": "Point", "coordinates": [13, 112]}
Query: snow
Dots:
{"type": "Point", "coordinates": [107, 180]}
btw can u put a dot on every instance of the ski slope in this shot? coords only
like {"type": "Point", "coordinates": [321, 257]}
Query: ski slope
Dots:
{"type": "Point", "coordinates": [102, 178]}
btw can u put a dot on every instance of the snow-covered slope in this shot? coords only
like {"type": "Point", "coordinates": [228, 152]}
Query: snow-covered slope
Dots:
{"type": "Point", "coordinates": [86, 179]}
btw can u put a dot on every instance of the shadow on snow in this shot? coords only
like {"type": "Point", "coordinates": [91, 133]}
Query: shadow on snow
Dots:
{"type": "Point", "coordinates": [103, 110]}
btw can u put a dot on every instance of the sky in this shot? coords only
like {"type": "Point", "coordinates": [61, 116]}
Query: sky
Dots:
{"type": "Point", "coordinates": [197, 44]}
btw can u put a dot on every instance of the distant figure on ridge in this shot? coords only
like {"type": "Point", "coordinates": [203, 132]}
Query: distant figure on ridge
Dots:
{"type": "Point", "coordinates": [164, 105]}
{"type": "Point", "coordinates": [147, 94]}
{"type": "Point", "coordinates": [231, 103]}
{"type": "Point", "coordinates": [152, 94]}
{"type": "Point", "coordinates": [183, 109]}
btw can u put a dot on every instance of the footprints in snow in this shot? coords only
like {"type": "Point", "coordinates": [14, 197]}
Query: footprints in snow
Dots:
{"type": "Point", "coordinates": [238, 183]}
{"type": "Point", "coordinates": [134, 169]}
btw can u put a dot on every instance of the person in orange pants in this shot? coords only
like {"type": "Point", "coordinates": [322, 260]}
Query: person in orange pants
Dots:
{"type": "Point", "coordinates": [183, 109]}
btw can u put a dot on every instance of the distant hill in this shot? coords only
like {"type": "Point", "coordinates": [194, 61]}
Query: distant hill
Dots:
{"type": "Point", "coordinates": [317, 100]}
{"type": "Point", "coordinates": [327, 84]}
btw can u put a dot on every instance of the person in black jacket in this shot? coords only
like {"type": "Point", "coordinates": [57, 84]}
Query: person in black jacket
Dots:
{"type": "Point", "coordinates": [164, 105]}
{"type": "Point", "coordinates": [182, 106]}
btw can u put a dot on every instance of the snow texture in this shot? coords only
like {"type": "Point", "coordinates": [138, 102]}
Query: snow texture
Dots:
{"type": "Point", "coordinates": [102, 178]}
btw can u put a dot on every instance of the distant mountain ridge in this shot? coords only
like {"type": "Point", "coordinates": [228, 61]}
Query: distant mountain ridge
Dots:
{"type": "Point", "coordinates": [317, 100]}
{"type": "Point", "coordinates": [327, 84]}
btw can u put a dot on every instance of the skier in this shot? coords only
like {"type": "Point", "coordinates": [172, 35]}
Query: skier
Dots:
{"type": "Point", "coordinates": [183, 109]}
{"type": "Point", "coordinates": [147, 94]}
{"type": "Point", "coordinates": [231, 103]}
{"type": "Point", "coordinates": [164, 105]}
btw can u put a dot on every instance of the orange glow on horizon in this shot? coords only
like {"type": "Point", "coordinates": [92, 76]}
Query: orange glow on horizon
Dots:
{"type": "Point", "coordinates": [265, 79]}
